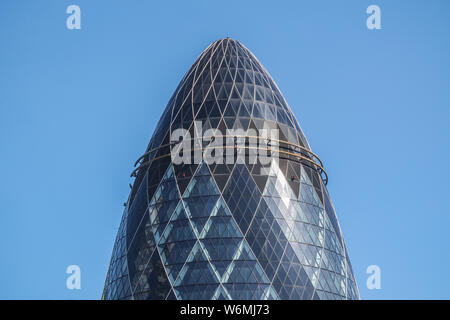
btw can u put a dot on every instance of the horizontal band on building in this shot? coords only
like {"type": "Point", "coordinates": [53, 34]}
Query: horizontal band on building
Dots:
{"type": "Point", "coordinates": [284, 149]}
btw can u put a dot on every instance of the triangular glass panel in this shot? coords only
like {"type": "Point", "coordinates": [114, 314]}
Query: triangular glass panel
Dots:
{"type": "Point", "coordinates": [197, 269]}
{"type": "Point", "coordinates": [220, 224]}
{"type": "Point", "coordinates": [202, 184]}
{"type": "Point", "coordinates": [196, 292]}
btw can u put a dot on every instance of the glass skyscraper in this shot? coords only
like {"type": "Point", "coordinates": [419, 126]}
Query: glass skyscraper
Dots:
{"type": "Point", "coordinates": [239, 230]}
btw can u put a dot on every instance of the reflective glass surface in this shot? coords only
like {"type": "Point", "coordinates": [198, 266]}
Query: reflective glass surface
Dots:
{"type": "Point", "coordinates": [228, 231]}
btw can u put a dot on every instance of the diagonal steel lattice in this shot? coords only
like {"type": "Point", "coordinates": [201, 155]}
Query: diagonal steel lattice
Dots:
{"type": "Point", "coordinates": [229, 231]}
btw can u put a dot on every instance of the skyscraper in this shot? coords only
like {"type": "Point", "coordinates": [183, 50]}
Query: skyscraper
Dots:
{"type": "Point", "coordinates": [237, 229]}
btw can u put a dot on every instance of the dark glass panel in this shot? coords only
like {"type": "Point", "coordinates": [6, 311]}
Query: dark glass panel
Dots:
{"type": "Point", "coordinates": [242, 196]}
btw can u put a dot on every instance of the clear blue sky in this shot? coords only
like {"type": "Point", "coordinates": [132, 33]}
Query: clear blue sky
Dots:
{"type": "Point", "coordinates": [78, 107]}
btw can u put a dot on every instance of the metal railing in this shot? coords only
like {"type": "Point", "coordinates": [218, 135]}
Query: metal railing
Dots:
{"type": "Point", "coordinates": [284, 149]}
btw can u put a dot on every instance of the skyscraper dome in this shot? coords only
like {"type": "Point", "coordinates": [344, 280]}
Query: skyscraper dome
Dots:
{"type": "Point", "coordinates": [236, 229]}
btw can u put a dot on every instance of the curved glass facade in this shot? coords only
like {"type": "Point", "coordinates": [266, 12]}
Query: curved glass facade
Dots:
{"type": "Point", "coordinates": [229, 231]}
